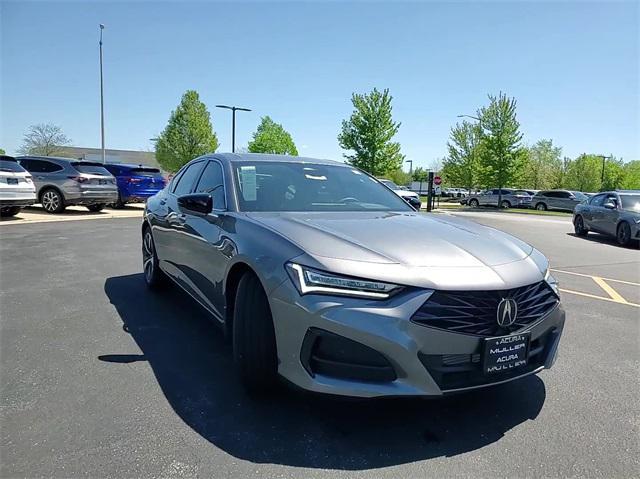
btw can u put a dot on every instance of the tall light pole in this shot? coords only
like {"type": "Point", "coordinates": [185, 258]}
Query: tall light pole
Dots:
{"type": "Point", "coordinates": [101, 98]}
{"type": "Point", "coordinates": [233, 122]}
{"type": "Point", "coordinates": [604, 159]}
{"type": "Point", "coordinates": [410, 165]}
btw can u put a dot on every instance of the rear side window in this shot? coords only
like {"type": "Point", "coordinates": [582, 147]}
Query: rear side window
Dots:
{"type": "Point", "coordinates": [212, 182]}
{"type": "Point", "coordinates": [91, 168]}
{"type": "Point", "coordinates": [11, 166]}
{"type": "Point", "coordinates": [40, 166]}
{"type": "Point", "coordinates": [187, 179]}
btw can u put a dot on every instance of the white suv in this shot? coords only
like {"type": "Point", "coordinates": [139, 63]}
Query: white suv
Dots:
{"type": "Point", "coordinates": [16, 187]}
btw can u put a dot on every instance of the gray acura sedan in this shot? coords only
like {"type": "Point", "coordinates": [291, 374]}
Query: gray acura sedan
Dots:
{"type": "Point", "coordinates": [323, 276]}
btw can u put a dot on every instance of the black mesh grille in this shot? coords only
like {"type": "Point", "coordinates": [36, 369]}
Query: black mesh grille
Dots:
{"type": "Point", "coordinates": [474, 312]}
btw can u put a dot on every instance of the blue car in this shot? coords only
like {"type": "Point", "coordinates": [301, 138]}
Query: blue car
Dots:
{"type": "Point", "coordinates": [136, 183]}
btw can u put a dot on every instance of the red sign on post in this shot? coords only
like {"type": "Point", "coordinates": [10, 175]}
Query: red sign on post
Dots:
{"type": "Point", "coordinates": [437, 180]}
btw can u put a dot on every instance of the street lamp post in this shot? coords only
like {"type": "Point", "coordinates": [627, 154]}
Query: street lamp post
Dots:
{"type": "Point", "coordinates": [604, 159]}
{"type": "Point", "coordinates": [233, 122]}
{"type": "Point", "coordinates": [101, 99]}
{"type": "Point", "coordinates": [410, 165]}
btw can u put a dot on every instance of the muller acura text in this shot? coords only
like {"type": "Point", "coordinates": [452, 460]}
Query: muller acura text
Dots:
{"type": "Point", "coordinates": [322, 275]}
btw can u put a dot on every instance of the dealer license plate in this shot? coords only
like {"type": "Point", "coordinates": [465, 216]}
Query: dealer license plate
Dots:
{"type": "Point", "coordinates": [506, 353]}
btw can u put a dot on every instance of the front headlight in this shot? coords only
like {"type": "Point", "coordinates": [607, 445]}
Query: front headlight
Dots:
{"type": "Point", "coordinates": [308, 280]}
{"type": "Point", "coordinates": [551, 281]}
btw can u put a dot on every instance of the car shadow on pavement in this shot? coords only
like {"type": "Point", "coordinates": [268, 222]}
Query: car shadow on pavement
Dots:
{"type": "Point", "coordinates": [194, 367]}
{"type": "Point", "coordinates": [604, 239]}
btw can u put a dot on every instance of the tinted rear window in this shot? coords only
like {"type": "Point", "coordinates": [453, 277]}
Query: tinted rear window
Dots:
{"type": "Point", "coordinates": [8, 165]}
{"type": "Point", "coordinates": [145, 171]}
{"type": "Point", "coordinates": [91, 168]}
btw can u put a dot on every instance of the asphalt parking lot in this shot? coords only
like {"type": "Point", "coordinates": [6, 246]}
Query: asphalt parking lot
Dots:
{"type": "Point", "coordinates": [101, 378]}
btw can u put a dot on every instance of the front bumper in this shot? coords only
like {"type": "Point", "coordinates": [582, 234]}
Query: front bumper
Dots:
{"type": "Point", "coordinates": [419, 356]}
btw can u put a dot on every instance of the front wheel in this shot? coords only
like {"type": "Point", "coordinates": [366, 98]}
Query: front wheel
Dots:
{"type": "Point", "coordinates": [254, 339]}
{"type": "Point", "coordinates": [578, 226]}
{"type": "Point", "coordinates": [52, 201]}
{"type": "Point", "coordinates": [505, 204]}
{"type": "Point", "coordinates": [474, 203]}
{"type": "Point", "coordinates": [96, 208]}
{"type": "Point", "coordinates": [624, 234]}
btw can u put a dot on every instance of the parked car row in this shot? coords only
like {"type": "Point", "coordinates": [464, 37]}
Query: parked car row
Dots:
{"type": "Point", "coordinates": [562, 200]}
{"type": "Point", "coordinates": [56, 183]}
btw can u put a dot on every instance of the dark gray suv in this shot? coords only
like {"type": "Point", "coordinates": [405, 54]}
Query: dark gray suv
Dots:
{"type": "Point", "coordinates": [61, 182]}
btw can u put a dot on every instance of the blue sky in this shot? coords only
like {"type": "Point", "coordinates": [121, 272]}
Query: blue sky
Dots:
{"type": "Point", "coordinates": [573, 68]}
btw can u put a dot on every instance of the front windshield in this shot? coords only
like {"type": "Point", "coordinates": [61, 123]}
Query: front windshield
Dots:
{"type": "Point", "coordinates": [284, 186]}
{"type": "Point", "coordinates": [630, 202]}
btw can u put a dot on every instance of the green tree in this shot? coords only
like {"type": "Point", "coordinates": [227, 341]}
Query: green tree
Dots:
{"type": "Point", "coordinates": [44, 139]}
{"type": "Point", "coordinates": [583, 174]}
{"type": "Point", "coordinates": [369, 131]}
{"type": "Point", "coordinates": [462, 166]}
{"type": "Point", "coordinates": [399, 177]}
{"type": "Point", "coordinates": [500, 153]}
{"type": "Point", "coordinates": [631, 180]}
{"type": "Point", "coordinates": [2, 152]}
{"type": "Point", "coordinates": [188, 134]}
{"type": "Point", "coordinates": [420, 174]}
{"type": "Point", "coordinates": [270, 137]}
{"type": "Point", "coordinates": [614, 174]}
{"type": "Point", "coordinates": [542, 165]}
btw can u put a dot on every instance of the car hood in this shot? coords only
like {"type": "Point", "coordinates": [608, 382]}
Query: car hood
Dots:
{"type": "Point", "coordinates": [409, 239]}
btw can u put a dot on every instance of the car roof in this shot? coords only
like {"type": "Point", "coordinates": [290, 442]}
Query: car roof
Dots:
{"type": "Point", "coordinates": [252, 157]}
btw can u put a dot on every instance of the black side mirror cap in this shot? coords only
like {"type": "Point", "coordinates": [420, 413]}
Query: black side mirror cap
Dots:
{"type": "Point", "coordinates": [197, 202]}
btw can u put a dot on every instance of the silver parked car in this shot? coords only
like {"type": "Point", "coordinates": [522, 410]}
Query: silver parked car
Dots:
{"type": "Point", "coordinates": [323, 276]}
{"type": "Point", "coordinates": [409, 196]}
{"type": "Point", "coordinates": [510, 198]}
{"type": "Point", "coordinates": [557, 200]}
{"type": "Point", "coordinates": [61, 182]}
{"type": "Point", "coordinates": [16, 187]}
{"type": "Point", "coordinates": [613, 213]}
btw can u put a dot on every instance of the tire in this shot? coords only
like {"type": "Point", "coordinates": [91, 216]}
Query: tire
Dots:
{"type": "Point", "coordinates": [578, 226]}
{"type": "Point", "coordinates": [254, 340]}
{"type": "Point", "coordinates": [623, 234]}
{"type": "Point", "coordinates": [505, 204]}
{"type": "Point", "coordinates": [96, 208]}
{"type": "Point", "coordinates": [153, 276]}
{"type": "Point", "coordinates": [118, 205]}
{"type": "Point", "coordinates": [9, 211]}
{"type": "Point", "coordinates": [52, 201]}
{"type": "Point", "coordinates": [541, 207]}
{"type": "Point", "coordinates": [473, 203]}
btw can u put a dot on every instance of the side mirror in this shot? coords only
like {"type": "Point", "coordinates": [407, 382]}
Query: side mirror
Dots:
{"type": "Point", "coordinates": [610, 205]}
{"type": "Point", "coordinates": [197, 202]}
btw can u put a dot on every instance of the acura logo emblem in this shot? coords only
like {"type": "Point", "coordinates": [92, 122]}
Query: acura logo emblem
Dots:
{"type": "Point", "coordinates": [507, 312]}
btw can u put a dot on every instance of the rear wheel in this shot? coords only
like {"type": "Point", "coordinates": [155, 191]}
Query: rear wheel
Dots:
{"type": "Point", "coordinates": [52, 201]}
{"type": "Point", "coordinates": [118, 204]}
{"type": "Point", "coordinates": [505, 204]}
{"type": "Point", "coordinates": [9, 211]}
{"type": "Point", "coordinates": [623, 234]}
{"type": "Point", "coordinates": [541, 207]}
{"type": "Point", "coordinates": [474, 203]}
{"type": "Point", "coordinates": [578, 226]}
{"type": "Point", "coordinates": [254, 341]}
{"type": "Point", "coordinates": [153, 276]}
{"type": "Point", "coordinates": [96, 208]}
